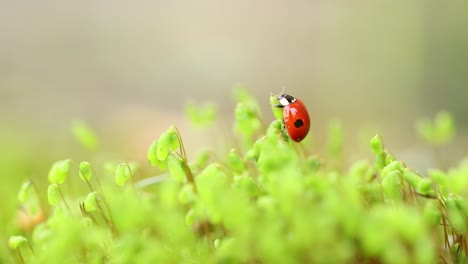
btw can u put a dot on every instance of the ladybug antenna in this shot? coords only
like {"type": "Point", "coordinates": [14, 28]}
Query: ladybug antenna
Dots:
{"type": "Point", "coordinates": [282, 92]}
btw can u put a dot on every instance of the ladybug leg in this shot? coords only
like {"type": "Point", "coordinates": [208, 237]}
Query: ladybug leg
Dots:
{"type": "Point", "coordinates": [283, 127]}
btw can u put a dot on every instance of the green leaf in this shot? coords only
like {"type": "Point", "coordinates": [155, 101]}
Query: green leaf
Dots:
{"type": "Point", "coordinates": [377, 145]}
{"type": "Point", "coordinates": [187, 194]}
{"type": "Point", "coordinates": [425, 129]}
{"type": "Point", "coordinates": [439, 131]}
{"type": "Point", "coordinates": [411, 177]}
{"type": "Point", "coordinates": [432, 214]}
{"type": "Point", "coordinates": [153, 157]}
{"type": "Point", "coordinates": [123, 174]}
{"type": "Point", "coordinates": [247, 122]}
{"type": "Point", "coordinates": [235, 161]}
{"type": "Point", "coordinates": [24, 191]}
{"type": "Point", "coordinates": [275, 128]}
{"type": "Point", "coordinates": [254, 153]}
{"type": "Point", "coordinates": [85, 171]}
{"type": "Point", "coordinates": [176, 168]}
{"type": "Point", "coordinates": [313, 163]}
{"type": "Point", "coordinates": [174, 142]}
{"type": "Point", "coordinates": [391, 186]}
{"type": "Point", "coordinates": [389, 158]}
{"type": "Point", "coordinates": [440, 177]}
{"type": "Point", "coordinates": [359, 170]}
{"type": "Point", "coordinates": [90, 202]}
{"type": "Point", "coordinates": [202, 158]}
{"type": "Point", "coordinates": [53, 194]}
{"type": "Point", "coordinates": [277, 111]}
{"type": "Point", "coordinates": [59, 171]}
{"type": "Point", "coordinates": [41, 234]}
{"type": "Point", "coordinates": [15, 241]}
{"type": "Point", "coordinates": [58, 217]}
{"type": "Point", "coordinates": [445, 127]}
{"type": "Point", "coordinates": [212, 184]}
{"type": "Point", "coordinates": [456, 216]}
{"type": "Point", "coordinates": [164, 146]}
{"type": "Point", "coordinates": [201, 114]}
{"type": "Point", "coordinates": [393, 166]}
{"type": "Point", "coordinates": [190, 217]}
{"type": "Point", "coordinates": [85, 135]}
{"type": "Point", "coordinates": [380, 161]}
{"type": "Point", "coordinates": [247, 184]}
{"type": "Point", "coordinates": [425, 187]}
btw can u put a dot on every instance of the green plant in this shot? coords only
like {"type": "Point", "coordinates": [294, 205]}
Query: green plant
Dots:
{"type": "Point", "coordinates": [437, 133]}
{"type": "Point", "coordinates": [269, 201]}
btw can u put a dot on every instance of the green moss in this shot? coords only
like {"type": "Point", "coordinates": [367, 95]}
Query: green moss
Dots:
{"type": "Point", "coordinates": [271, 200]}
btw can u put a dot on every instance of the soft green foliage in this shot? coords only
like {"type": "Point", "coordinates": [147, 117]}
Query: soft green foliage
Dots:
{"type": "Point", "coordinates": [53, 194]}
{"type": "Point", "coordinates": [85, 171]}
{"type": "Point", "coordinates": [392, 166]}
{"type": "Point", "coordinates": [90, 203]}
{"type": "Point", "coordinates": [25, 191]}
{"type": "Point", "coordinates": [59, 171]}
{"type": "Point", "coordinates": [248, 118]}
{"type": "Point", "coordinates": [176, 168]}
{"type": "Point", "coordinates": [201, 114]}
{"type": "Point", "coordinates": [153, 156]}
{"type": "Point", "coordinates": [439, 131]}
{"type": "Point", "coordinates": [15, 241]}
{"type": "Point", "coordinates": [235, 161]}
{"type": "Point", "coordinates": [411, 177]}
{"type": "Point", "coordinates": [202, 158]}
{"type": "Point", "coordinates": [123, 174]}
{"type": "Point", "coordinates": [163, 147]}
{"type": "Point", "coordinates": [85, 135]}
{"type": "Point", "coordinates": [377, 145]}
{"type": "Point", "coordinates": [391, 186]}
{"type": "Point", "coordinates": [271, 200]}
{"type": "Point", "coordinates": [277, 111]}
{"type": "Point", "coordinates": [167, 141]}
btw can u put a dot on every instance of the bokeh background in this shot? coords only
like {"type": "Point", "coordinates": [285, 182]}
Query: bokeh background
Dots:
{"type": "Point", "coordinates": [127, 68]}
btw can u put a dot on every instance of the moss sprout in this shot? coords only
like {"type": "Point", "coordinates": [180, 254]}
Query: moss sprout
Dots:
{"type": "Point", "coordinates": [264, 199]}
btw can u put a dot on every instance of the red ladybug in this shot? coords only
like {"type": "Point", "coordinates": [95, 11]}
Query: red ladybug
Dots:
{"type": "Point", "coordinates": [295, 116]}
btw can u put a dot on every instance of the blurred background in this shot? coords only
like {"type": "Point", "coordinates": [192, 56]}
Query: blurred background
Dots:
{"type": "Point", "coordinates": [127, 68]}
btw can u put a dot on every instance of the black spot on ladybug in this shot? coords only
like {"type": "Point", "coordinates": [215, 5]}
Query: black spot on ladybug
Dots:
{"type": "Point", "coordinates": [298, 123]}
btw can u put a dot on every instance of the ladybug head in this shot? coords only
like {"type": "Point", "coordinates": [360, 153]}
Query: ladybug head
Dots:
{"type": "Point", "coordinates": [285, 99]}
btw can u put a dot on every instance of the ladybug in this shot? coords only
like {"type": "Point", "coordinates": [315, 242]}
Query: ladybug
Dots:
{"type": "Point", "coordinates": [295, 116]}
